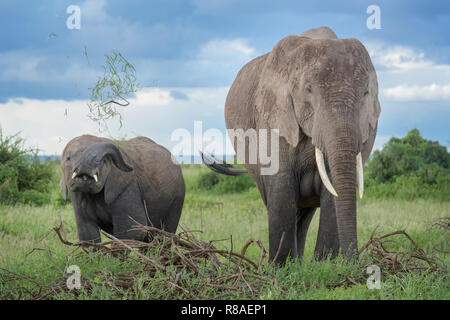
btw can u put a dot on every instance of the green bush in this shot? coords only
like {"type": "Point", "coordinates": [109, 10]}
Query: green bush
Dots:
{"type": "Point", "coordinates": [409, 188]}
{"type": "Point", "coordinates": [230, 184]}
{"type": "Point", "coordinates": [408, 168]}
{"type": "Point", "coordinates": [224, 184]}
{"type": "Point", "coordinates": [23, 177]}
{"type": "Point", "coordinates": [409, 156]}
{"type": "Point", "coordinates": [208, 180]}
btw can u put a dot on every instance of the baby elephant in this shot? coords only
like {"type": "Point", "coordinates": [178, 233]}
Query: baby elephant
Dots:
{"type": "Point", "coordinates": [116, 184]}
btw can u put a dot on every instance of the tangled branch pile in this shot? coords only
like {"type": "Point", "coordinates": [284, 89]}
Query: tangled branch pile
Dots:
{"type": "Point", "coordinates": [183, 267]}
{"type": "Point", "coordinates": [394, 262]}
{"type": "Point", "coordinates": [397, 261]}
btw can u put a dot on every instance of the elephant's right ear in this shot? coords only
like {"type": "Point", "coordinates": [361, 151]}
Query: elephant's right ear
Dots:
{"type": "Point", "coordinates": [63, 187]}
{"type": "Point", "coordinates": [282, 117]}
{"type": "Point", "coordinates": [274, 95]}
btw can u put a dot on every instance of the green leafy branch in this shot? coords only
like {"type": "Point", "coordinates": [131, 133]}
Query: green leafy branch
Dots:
{"type": "Point", "coordinates": [111, 90]}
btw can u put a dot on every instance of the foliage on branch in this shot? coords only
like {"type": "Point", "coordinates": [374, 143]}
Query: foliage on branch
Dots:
{"type": "Point", "coordinates": [112, 90]}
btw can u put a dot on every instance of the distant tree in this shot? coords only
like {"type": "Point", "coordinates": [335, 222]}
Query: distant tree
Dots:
{"type": "Point", "coordinates": [411, 156]}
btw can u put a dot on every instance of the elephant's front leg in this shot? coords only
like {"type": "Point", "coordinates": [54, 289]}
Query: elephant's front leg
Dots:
{"type": "Point", "coordinates": [304, 218]}
{"type": "Point", "coordinates": [327, 237]}
{"type": "Point", "coordinates": [127, 212]}
{"type": "Point", "coordinates": [282, 205]}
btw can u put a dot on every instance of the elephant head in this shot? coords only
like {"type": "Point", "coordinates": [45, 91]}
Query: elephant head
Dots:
{"type": "Point", "coordinates": [325, 89]}
{"type": "Point", "coordinates": [92, 169]}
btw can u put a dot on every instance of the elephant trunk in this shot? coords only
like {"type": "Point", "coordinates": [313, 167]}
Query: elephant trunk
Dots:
{"type": "Point", "coordinates": [341, 146]}
{"type": "Point", "coordinates": [103, 149]}
{"type": "Point", "coordinates": [342, 163]}
{"type": "Point", "coordinates": [92, 157]}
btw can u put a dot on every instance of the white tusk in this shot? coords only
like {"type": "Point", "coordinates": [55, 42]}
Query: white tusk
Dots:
{"type": "Point", "coordinates": [74, 175]}
{"type": "Point", "coordinates": [360, 175]}
{"type": "Point", "coordinates": [323, 172]}
{"type": "Point", "coordinates": [95, 178]}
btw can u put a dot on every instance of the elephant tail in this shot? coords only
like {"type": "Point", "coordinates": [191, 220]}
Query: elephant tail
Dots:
{"type": "Point", "coordinates": [220, 166]}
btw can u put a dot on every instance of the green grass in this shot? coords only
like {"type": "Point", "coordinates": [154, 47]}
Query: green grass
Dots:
{"type": "Point", "coordinates": [242, 216]}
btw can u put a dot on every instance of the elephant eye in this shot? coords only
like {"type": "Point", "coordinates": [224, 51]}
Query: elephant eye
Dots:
{"type": "Point", "coordinates": [67, 158]}
{"type": "Point", "coordinates": [308, 89]}
{"type": "Point", "coordinates": [366, 93]}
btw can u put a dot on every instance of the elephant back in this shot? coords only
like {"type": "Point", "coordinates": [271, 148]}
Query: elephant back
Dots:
{"type": "Point", "coordinates": [154, 165]}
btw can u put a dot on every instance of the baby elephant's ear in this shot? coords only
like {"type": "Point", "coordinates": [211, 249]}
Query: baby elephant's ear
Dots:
{"type": "Point", "coordinates": [63, 187]}
{"type": "Point", "coordinates": [116, 183]}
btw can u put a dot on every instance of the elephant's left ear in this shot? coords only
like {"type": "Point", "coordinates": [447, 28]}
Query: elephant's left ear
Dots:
{"type": "Point", "coordinates": [371, 111]}
{"type": "Point", "coordinates": [63, 187]}
{"type": "Point", "coordinates": [116, 183]}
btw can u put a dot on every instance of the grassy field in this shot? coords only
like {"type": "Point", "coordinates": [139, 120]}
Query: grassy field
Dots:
{"type": "Point", "coordinates": [219, 216]}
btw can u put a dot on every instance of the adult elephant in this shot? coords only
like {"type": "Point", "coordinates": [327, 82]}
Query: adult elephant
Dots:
{"type": "Point", "coordinates": [321, 93]}
{"type": "Point", "coordinates": [115, 184]}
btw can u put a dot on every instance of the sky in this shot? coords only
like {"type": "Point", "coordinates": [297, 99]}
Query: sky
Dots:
{"type": "Point", "coordinates": [187, 53]}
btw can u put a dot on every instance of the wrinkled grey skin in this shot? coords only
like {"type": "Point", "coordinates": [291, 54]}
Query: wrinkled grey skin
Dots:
{"type": "Point", "coordinates": [137, 177]}
{"type": "Point", "coordinates": [319, 91]}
